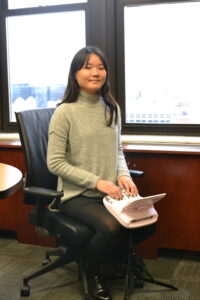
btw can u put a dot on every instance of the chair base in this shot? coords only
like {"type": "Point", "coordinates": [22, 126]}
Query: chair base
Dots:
{"type": "Point", "coordinates": [65, 257]}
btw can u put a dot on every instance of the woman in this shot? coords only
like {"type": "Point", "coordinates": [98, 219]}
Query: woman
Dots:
{"type": "Point", "coordinates": [85, 152]}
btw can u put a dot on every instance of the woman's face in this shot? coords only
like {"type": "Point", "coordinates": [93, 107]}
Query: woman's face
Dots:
{"type": "Point", "coordinates": [92, 75]}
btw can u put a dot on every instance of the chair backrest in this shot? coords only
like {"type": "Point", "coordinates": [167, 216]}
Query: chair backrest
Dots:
{"type": "Point", "coordinates": [33, 130]}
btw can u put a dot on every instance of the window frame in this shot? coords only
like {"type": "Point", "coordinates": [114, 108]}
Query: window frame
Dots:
{"type": "Point", "coordinates": [99, 32]}
{"type": "Point", "coordinates": [142, 128]}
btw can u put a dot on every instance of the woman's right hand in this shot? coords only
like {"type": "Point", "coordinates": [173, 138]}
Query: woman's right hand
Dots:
{"type": "Point", "coordinates": [109, 188]}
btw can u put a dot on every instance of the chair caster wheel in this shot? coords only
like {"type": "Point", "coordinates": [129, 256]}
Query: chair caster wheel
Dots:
{"type": "Point", "coordinates": [25, 291]}
{"type": "Point", "coordinates": [46, 262]}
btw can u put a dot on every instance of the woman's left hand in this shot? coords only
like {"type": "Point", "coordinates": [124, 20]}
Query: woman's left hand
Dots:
{"type": "Point", "coordinates": [126, 182]}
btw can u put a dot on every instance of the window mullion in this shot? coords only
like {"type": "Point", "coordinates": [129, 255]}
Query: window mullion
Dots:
{"type": "Point", "coordinates": [3, 70]}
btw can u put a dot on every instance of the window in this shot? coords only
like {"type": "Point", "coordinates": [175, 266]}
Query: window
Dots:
{"type": "Point", "coordinates": [39, 47]}
{"type": "Point", "coordinates": [152, 47]}
{"type": "Point", "coordinates": [38, 39]}
{"type": "Point", "coordinates": [161, 66]}
{"type": "Point", "coordinates": [39, 63]}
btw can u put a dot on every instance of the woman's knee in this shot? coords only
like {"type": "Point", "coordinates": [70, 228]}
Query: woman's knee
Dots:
{"type": "Point", "coordinates": [111, 226]}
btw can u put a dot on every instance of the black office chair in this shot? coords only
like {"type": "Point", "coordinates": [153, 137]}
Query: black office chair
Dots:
{"type": "Point", "coordinates": [40, 189]}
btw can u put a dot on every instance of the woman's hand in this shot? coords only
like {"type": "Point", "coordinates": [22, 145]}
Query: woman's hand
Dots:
{"type": "Point", "coordinates": [126, 182]}
{"type": "Point", "coordinates": [109, 188]}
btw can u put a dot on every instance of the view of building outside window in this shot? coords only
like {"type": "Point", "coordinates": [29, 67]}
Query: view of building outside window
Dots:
{"type": "Point", "coordinates": [14, 4]}
{"type": "Point", "coordinates": [162, 63]}
{"type": "Point", "coordinates": [40, 50]}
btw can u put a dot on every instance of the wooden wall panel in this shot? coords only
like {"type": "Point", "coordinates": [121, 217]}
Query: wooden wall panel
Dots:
{"type": "Point", "coordinates": [178, 176]}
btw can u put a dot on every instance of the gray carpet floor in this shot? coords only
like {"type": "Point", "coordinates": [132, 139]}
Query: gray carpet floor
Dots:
{"type": "Point", "coordinates": [178, 268]}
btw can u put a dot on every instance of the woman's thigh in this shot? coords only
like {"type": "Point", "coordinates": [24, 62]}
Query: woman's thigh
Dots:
{"type": "Point", "coordinates": [91, 212]}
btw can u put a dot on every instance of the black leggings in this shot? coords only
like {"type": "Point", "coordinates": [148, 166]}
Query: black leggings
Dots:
{"type": "Point", "coordinates": [110, 235]}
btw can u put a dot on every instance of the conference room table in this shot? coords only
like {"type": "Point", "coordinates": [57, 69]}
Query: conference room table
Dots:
{"type": "Point", "coordinates": [10, 180]}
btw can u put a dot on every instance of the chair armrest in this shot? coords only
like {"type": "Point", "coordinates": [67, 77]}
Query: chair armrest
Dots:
{"type": "Point", "coordinates": [136, 173]}
{"type": "Point", "coordinates": [41, 195]}
{"type": "Point", "coordinates": [43, 192]}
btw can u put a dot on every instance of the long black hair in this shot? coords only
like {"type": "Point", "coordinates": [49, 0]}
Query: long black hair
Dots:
{"type": "Point", "coordinates": [72, 90]}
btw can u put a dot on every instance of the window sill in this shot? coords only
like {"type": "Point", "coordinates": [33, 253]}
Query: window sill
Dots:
{"type": "Point", "coordinates": [135, 140]}
{"type": "Point", "coordinates": [9, 137]}
{"type": "Point", "coordinates": [160, 140]}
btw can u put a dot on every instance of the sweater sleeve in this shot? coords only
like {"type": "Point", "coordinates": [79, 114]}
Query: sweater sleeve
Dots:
{"type": "Point", "coordinates": [122, 165]}
{"type": "Point", "coordinates": [57, 160]}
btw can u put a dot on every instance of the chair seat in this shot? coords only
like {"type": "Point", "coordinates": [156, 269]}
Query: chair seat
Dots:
{"type": "Point", "coordinates": [63, 226]}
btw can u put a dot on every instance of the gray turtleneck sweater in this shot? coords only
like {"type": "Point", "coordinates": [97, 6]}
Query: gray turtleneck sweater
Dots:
{"type": "Point", "coordinates": [82, 149]}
